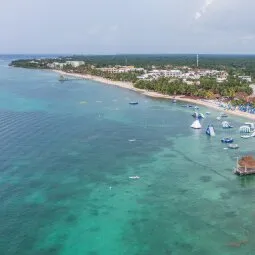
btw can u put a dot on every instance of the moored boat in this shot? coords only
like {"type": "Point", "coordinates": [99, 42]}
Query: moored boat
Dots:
{"type": "Point", "coordinates": [226, 124]}
{"type": "Point", "coordinates": [245, 136]}
{"type": "Point", "coordinates": [245, 129]}
{"type": "Point", "coordinates": [133, 103]}
{"type": "Point", "coordinates": [227, 140]}
{"type": "Point", "coordinates": [224, 115]}
{"type": "Point", "coordinates": [250, 125]}
{"type": "Point", "coordinates": [233, 146]}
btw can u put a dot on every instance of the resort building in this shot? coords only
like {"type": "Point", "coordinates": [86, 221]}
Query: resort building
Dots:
{"type": "Point", "coordinates": [121, 69]}
{"type": "Point", "coordinates": [245, 78]}
{"type": "Point", "coordinates": [75, 63]}
{"type": "Point", "coordinates": [56, 65]}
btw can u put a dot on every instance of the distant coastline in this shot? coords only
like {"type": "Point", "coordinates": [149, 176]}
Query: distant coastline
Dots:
{"type": "Point", "coordinates": [129, 85]}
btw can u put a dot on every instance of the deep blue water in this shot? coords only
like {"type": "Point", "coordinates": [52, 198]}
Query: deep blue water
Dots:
{"type": "Point", "coordinates": [68, 149]}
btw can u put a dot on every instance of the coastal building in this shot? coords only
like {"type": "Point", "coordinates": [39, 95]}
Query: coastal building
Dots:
{"type": "Point", "coordinates": [221, 76]}
{"type": "Point", "coordinates": [172, 73]}
{"type": "Point", "coordinates": [191, 75]}
{"type": "Point", "coordinates": [245, 78]}
{"type": "Point", "coordinates": [75, 63]}
{"type": "Point", "coordinates": [56, 65]}
{"type": "Point", "coordinates": [121, 69]}
{"type": "Point", "coordinates": [220, 79]}
{"type": "Point", "coordinates": [166, 73]}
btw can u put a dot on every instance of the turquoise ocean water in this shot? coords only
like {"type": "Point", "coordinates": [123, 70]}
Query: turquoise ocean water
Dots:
{"type": "Point", "coordinates": [65, 167]}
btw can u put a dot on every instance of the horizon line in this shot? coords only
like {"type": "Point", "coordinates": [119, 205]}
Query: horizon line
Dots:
{"type": "Point", "coordinates": [120, 54]}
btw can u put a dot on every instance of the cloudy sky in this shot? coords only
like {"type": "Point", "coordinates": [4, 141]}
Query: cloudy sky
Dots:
{"type": "Point", "coordinates": [127, 26]}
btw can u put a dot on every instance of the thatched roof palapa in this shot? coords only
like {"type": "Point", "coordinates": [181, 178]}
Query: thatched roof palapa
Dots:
{"type": "Point", "coordinates": [247, 161]}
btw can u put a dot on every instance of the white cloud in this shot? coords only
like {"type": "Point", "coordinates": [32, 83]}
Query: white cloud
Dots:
{"type": "Point", "coordinates": [198, 15]}
{"type": "Point", "coordinates": [203, 9]}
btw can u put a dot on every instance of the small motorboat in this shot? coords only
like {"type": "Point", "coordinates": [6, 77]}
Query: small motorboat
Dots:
{"type": "Point", "coordinates": [134, 177]}
{"type": "Point", "coordinates": [218, 118]}
{"type": "Point", "coordinates": [207, 113]}
{"type": "Point", "coordinates": [226, 124]}
{"type": "Point", "coordinates": [224, 115]}
{"type": "Point", "coordinates": [227, 140]}
{"type": "Point", "coordinates": [233, 146]}
{"type": "Point", "coordinates": [201, 115]}
{"type": "Point", "coordinates": [190, 106]}
{"type": "Point", "coordinates": [196, 107]}
{"type": "Point", "coordinates": [174, 101]}
{"type": "Point", "coordinates": [133, 103]}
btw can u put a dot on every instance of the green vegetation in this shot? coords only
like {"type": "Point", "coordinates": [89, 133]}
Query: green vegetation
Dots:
{"type": "Point", "coordinates": [31, 64]}
{"type": "Point", "coordinates": [234, 64]}
{"type": "Point", "coordinates": [85, 69]}
{"type": "Point", "coordinates": [208, 88]}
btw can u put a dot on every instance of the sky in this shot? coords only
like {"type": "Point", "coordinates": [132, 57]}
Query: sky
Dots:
{"type": "Point", "coordinates": [131, 26]}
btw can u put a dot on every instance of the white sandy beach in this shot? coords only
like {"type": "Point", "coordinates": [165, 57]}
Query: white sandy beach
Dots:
{"type": "Point", "coordinates": [129, 85]}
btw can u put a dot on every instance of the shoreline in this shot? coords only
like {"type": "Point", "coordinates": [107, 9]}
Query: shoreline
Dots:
{"type": "Point", "coordinates": [153, 94]}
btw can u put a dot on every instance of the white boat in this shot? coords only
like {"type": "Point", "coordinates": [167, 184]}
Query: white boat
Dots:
{"type": "Point", "coordinates": [218, 118]}
{"type": "Point", "coordinates": [210, 130]}
{"type": "Point", "coordinates": [201, 115]}
{"type": "Point", "coordinates": [226, 124]}
{"type": "Point", "coordinates": [245, 136]}
{"type": "Point", "coordinates": [134, 177]}
{"type": "Point", "coordinates": [253, 134]}
{"type": "Point", "coordinates": [207, 113]}
{"type": "Point", "coordinates": [251, 125]}
{"type": "Point", "coordinates": [233, 146]}
{"type": "Point", "coordinates": [223, 115]}
{"type": "Point", "coordinates": [245, 129]}
{"type": "Point", "coordinates": [196, 124]}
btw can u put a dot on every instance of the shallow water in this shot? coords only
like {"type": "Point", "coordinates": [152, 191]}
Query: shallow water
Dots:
{"type": "Point", "coordinates": [68, 149]}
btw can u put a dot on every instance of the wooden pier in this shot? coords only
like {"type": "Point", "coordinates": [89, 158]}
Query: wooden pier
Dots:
{"type": "Point", "coordinates": [245, 166]}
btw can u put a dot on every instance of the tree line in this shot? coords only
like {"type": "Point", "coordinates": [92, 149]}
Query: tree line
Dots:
{"type": "Point", "coordinates": [208, 87]}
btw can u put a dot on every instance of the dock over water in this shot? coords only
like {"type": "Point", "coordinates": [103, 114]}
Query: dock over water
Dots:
{"type": "Point", "coordinates": [245, 166]}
